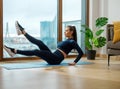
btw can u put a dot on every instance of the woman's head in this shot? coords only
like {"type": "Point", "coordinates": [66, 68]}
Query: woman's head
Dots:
{"type": "Point", "coordinates": [70, 32]}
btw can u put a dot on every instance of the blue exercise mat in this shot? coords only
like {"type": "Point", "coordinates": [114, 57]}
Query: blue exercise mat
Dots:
{"type": "Point", "coordinates": [38, 64]}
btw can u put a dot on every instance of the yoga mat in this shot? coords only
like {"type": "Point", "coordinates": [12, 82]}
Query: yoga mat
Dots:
{"type": "Point", "coordinates": [39, 64]}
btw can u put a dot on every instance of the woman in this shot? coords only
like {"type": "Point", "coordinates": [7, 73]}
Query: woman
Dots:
{"type": "Point", "coordinates": [63, 48]}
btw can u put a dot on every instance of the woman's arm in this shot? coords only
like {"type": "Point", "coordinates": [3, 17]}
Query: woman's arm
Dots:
{"type": "Point", "coordinates": [79, 50]}
{"type": "Point", "coordinates": [80, 53]}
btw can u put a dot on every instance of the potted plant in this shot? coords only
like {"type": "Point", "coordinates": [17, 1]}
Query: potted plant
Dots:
{"type": "Point", "coordinates": [93, 37]}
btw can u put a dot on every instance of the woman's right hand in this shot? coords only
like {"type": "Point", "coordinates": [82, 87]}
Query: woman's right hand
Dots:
{"type": "Point", "coordinates": [72, 64]}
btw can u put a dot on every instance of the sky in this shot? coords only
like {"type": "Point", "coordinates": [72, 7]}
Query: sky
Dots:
{"type": "Point", "coordinates": [30, 12]}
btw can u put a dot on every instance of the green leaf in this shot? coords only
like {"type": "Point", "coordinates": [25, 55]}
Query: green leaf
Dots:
{"type": "Point", "coordinates": [88, 44]}
{"type": "Point", "coordinates": [99, 42]}
{"type": "Point", "coordinates": [89, 34]}
{"type": "Point", "coordinates": [99, 32]}
{"type": "Point", "coordinates": [101, 21]}
{"type": "Point", "coordinates": [95, 41]}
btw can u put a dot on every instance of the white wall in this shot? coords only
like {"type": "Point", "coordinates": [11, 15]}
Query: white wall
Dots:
{"type": "Point", "coordinates": [93, 12]}
{"type": "Point", "coordinates": [113, 10]}
{"type": "Point", "coordinates": [108, 8]}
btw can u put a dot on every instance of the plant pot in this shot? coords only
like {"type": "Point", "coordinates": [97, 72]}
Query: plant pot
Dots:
{"type": "Point", "coordinates": [91, 54]}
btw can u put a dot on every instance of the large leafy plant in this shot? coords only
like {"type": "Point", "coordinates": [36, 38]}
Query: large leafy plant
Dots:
{"type": "Point", "coordinates": [93, 38]}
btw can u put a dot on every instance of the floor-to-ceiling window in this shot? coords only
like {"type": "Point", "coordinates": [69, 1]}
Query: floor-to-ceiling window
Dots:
{"type": "Point", "coordinates": [72, 15]}
{"type": "Point", "coordinates": [38, 17]}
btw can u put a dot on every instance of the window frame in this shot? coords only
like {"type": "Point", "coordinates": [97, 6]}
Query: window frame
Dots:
{"type": "Point", "coordinates": [59, 38]}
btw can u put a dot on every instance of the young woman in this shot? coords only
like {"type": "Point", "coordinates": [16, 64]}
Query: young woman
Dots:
{"type": "Point", "coordinates": [63, 48]}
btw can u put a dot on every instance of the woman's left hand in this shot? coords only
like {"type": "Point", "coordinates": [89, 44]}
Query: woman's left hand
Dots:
{"type": "Point", "coordinates": [72, 64]}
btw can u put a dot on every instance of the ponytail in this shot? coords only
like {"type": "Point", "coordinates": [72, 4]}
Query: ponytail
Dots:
{"type": "Point", "coordinates": [73, 28]}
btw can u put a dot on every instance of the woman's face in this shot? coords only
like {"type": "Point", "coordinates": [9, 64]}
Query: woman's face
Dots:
{"type": "Point", "coordinates": [68, 33]}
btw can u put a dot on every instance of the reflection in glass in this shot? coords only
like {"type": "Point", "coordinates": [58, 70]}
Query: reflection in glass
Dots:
{"type": "Point", "coordinates": [38, 17]}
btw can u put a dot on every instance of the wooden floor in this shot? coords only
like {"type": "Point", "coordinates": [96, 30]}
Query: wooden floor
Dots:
{"type": "Point", "coordinates": [93, 76]}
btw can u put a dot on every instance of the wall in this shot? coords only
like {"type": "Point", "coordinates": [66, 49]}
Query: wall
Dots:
{"type": "Point", "coordinates": [93, 12]}
{"type": "Point", "coordinates": [113, 10]}
{"type": "Point", "coordinates": [109, 8]}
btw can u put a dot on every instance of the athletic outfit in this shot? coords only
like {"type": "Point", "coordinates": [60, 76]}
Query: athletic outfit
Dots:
{"type": "Point", "coordinates": [46, 54]}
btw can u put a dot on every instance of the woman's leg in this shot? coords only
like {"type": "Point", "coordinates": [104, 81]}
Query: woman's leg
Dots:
{"type": "Point", "coordinates": [49, 57]}
{"type": "Point", "coordinates": [39, 43]}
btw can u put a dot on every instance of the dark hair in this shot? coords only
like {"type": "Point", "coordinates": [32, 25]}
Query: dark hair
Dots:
{"type": "Point", "coordinates": [73, 28]}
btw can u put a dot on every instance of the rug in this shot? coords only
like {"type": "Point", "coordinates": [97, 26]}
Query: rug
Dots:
{"type": "Point", "coordinates": [39, 64]}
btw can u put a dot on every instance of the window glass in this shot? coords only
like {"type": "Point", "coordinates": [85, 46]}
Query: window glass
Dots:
{"type": "Point", "coordinates": [38, 17]}
{"type": "Point", "coordinates": [72, 16]}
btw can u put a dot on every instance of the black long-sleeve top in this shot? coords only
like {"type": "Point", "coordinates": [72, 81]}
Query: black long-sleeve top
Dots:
{"type": "Point", "coordinates": [69, 44]}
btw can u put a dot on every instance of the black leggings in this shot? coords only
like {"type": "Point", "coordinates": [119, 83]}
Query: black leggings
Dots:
{"type": "Point", "coordinates": [43, 52]}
